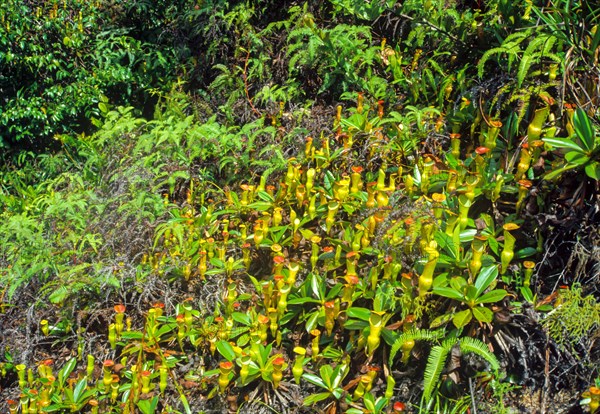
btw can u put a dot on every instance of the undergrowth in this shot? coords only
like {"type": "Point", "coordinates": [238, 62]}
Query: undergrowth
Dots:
{"type": "Point", "coordinates": [347, 209]}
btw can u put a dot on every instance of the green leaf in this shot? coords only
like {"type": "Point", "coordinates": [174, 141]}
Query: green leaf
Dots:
{"type": "Point", "coordinates": [441, 320]}
{"type": "Point", "coordinates": [148, 406]}
{"type": "Point", "coordinates": [563, 143]}
{"type": "Point", "coordinates": [467, 235]}
{"type": "Point", "coordinates": [593, 170]}
{"type": "Point", "coordinates": [185, 403]}
{"type": "Point", "coordinates": [576, 158]}
{"type": "Point", "coordinates": [486, 276]}
{"type": "Point", "coordinates": [79, 390]}
{"type": "Point", "coordinates": [302, 300]}
{"type": "Point", "coordinates": [242, 318]}
{"type": "Point", "coordinates": [355, 325]}
{"type": "Point", "coordinates": [527, 294]}
{"type": "Point", "coordinates": [495, 295]}
{"type": "Point", "coordinates": [584, 129]}
{"type": "Point", "coordinates": [226, 350]}
{"type": "Point", "coordinates": [555, 173]}
{"type": "Point", "coordinates": [260, 205]}
{"type": "Point", "coordinates": [315, 398]}
{"type": "Point", "coordinates": [66, 371]}
{"type": "Point", "coordinates": [369, 402]}
{"type": "Point", "coordinates": [359, 313]}
{"type": "Point", "coordinates": [264, 196]}
{"type": "Point", "coordinates": [327, 374]}
{"type": "Point", "coordinates": [525, 252]}
{"type": "Point", "coordinates": [462, 318]}
{"type": "Point", "coordinates": [448, 293]}
{"type": "Point", "coordinates": [483, 314]}
{"type": "Point", "coordinates": [312, 321]}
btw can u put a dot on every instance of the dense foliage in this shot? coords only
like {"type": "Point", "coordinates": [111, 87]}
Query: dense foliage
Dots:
{"type": "Point", "coordinates": [338, 206]}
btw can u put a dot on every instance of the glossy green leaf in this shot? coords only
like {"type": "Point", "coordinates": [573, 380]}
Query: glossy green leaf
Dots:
{"type": "Point", "coordinates": [564, 143]}
{"type": "Point", "coordinates": [483, 314]}
{"type": "Point", "coordinates": [486, 276]}
{"type": "Point", "coordinates": [359, 313]}
{"type": "Point", "coordinates": [315, 398]}
{"type": "Point", "coordinates": [555, 173]}
{"type": "Point", "coordinates": [302, 300]}
{"type": "Point", "coordinates": [467, 235]}
{"type": "Point", "coordinates": [264, 196]}
{"type": "Point", "coordinates": [327, 375]}
{"type": "Point", "coordinates": [584, 129]}
{"type": "Point", "coordinates": [311, 323]}
{"type": "Point", "coordinates": [576, 158]}
{"type": "Point", "coordinates": [242, 318]}
{"type": "Point", "coordinates": [66, 371]}
{"type": "Point", "coordinates": [462, 318]}
{"type": "Point", "coordinates": [495, 295]}
{"type": "Point", "coordinates": [79, 390]}
{"type": "Point", "coordinates": [355, 325]}
{"type": "Point", "coordinates": [148, 406]}
{"type": "Point", "coordinates": [448, 292]}
{"type": "Point", "coordinates": [593, 170]}
{"type": "Point", "coordinates": [226, 350]}
{"type": "Point", "coordinates": [525, 252]}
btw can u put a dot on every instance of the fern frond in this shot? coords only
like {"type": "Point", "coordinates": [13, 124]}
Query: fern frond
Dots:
{"type": "Point", "coordinates": [435, 364]}
{"type": "Point", "coordinates": [517, 37]}
{"type": "Point", "coordinates": [414, 335]}
{"type": "Point", "coordinates": [476, 346]}
{"type": "Point", "coordinates": [487, 55]}
{"type": "Point", "coordinates": [526, 62]}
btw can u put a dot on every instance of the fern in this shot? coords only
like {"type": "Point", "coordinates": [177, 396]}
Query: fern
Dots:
{"type": "Point", "coordinates": [438, 356]}
{"type": "Point", "coordinates": [510, 46]}
{"type": "Point", "coordinates": [476, 346]}
{"type": "Point", "coordinates": [414, 335]}
{"type": "Point", "coordinates": [435, 364]}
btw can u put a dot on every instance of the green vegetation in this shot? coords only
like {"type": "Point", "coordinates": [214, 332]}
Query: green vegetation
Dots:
{"type": "Point", "coordinates": [338, 206]}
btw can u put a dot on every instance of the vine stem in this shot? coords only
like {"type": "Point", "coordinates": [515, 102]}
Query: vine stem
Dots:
{"type": "Point", "coordinates": [245, 77]}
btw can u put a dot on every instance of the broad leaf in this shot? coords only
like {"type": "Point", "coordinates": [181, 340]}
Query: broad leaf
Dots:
{"type": "Point", "coordinates": [495, 295]}
{"type": "Point", "coordinates": [355, 325]}
{"type": "Point", "coordinates": [553, 174]}
{"type": "Point", "coordinates": [359, 313]}
{"type": "Point", "coordinates": [315, 398]}
{"type": "Point", "coordinates": [226, 350]}
{"type": "Point", "coordinates": [525, 252]}
{"type": "Point", "coordinates": [79, 390]}
{"type": "Point", "coordinates": [576, 158]}
{"type": "Point", "coordinates": [66, 371]}
{"type": "Point", "coordinates": [148, 406]}
{"type": "Point", "coordinates": [483, 314]}
{"type": "Point", "coordinates": [263, 195]}
{"type": "Point", "coordinates": [584, 129]}
{"type": "Point", "coordinates": [242, 318]}
{"type": "Point", "coordinates": [564, 143]}
{"type": "Point", "coordinates": [327, 374]}
{"type": "Point", "coordinates": [448, 293]}
{"type": "Point", "coordinates": [312, 321]}
{"type": "Point", "coordinates": [485, 278]}
{"type": "Point", "coordinates": [260, 205]}
{"type": "Point", "coordinates": [302, 300]}
{"type": "Point", "coordinates": [593, 170]}
{"type": "Point", "coordinates": [462, 318]}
